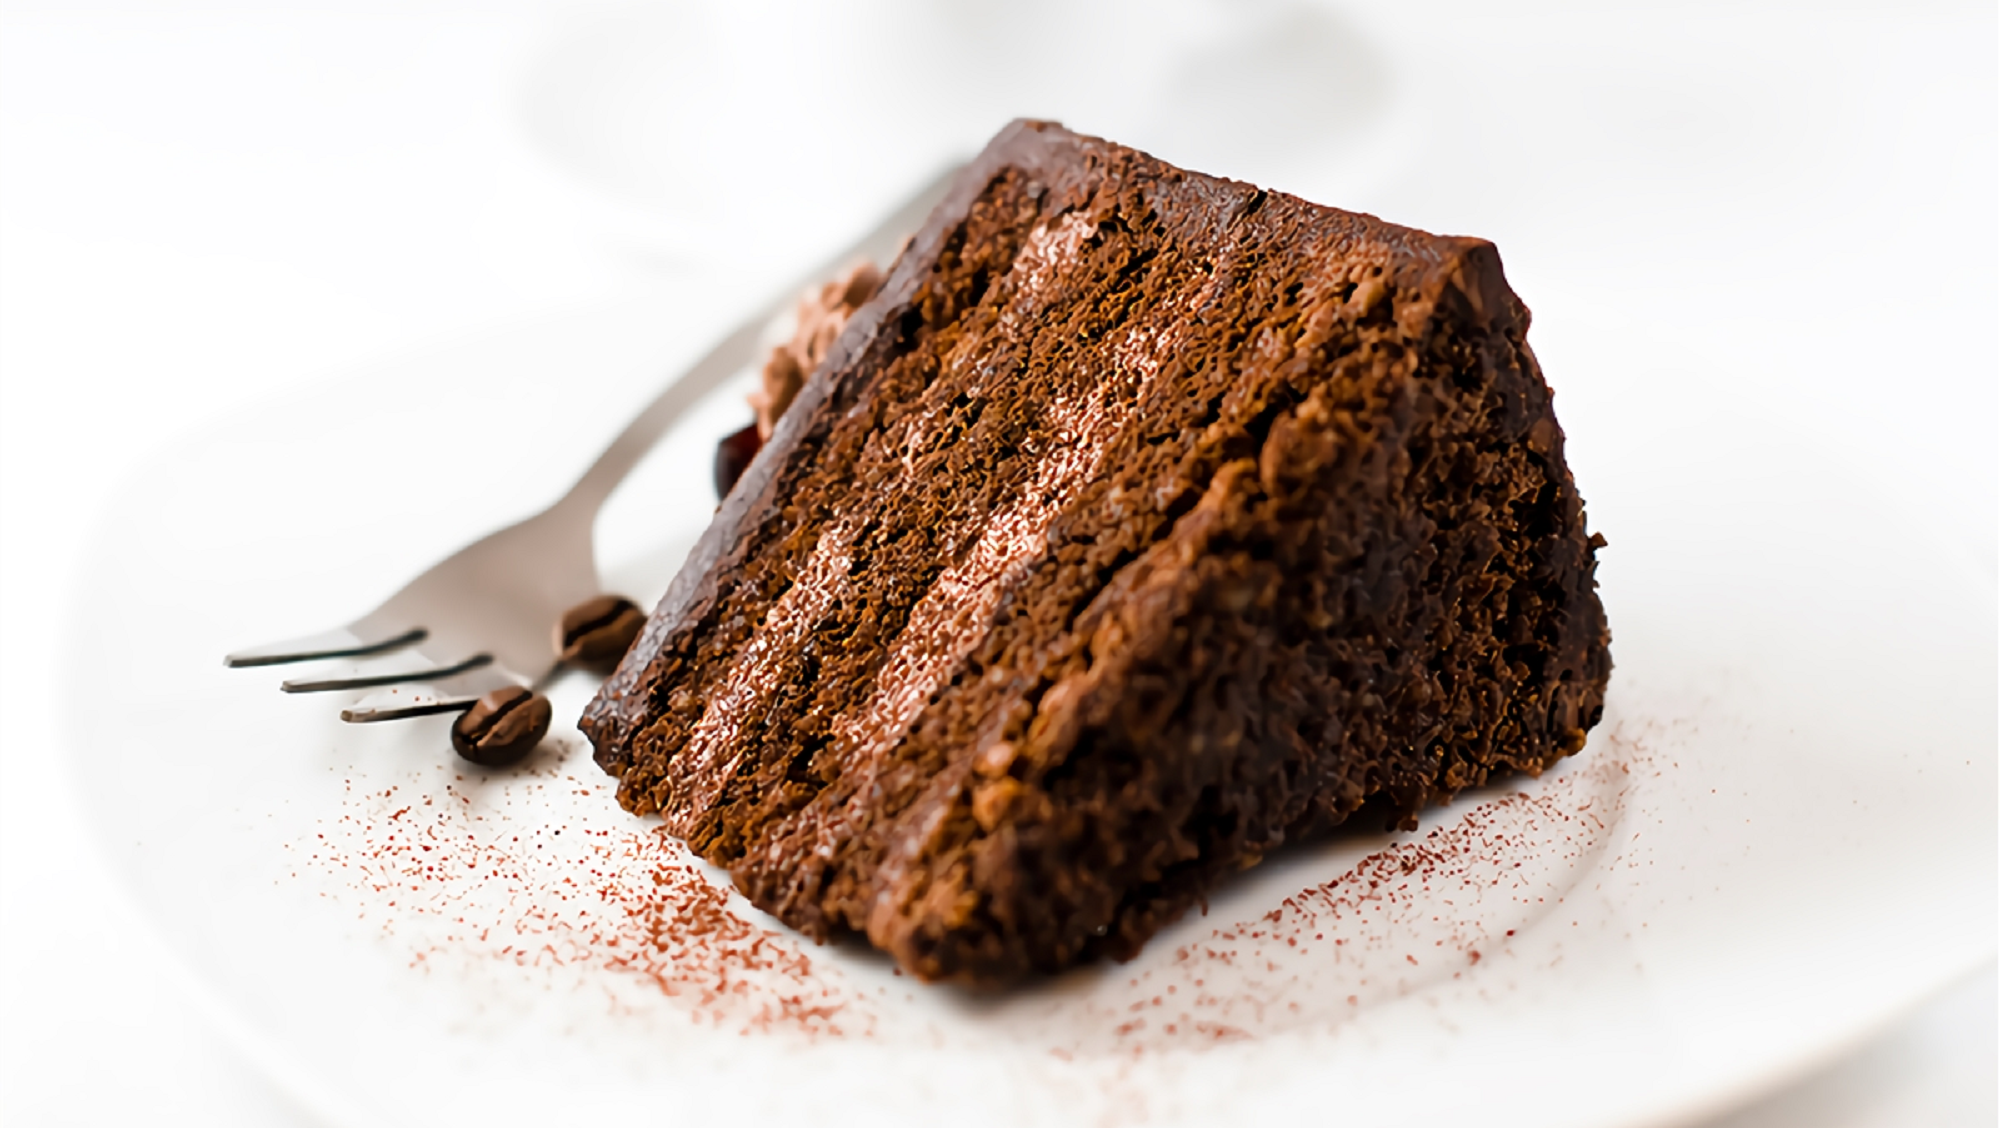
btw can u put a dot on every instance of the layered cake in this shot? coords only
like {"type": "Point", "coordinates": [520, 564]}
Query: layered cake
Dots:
{"type": "Point", "coordinates": [1141, 523]}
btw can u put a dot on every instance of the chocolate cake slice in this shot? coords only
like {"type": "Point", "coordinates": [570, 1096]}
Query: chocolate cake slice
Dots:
{"type": "Point", "coordinates": [1141, 523]}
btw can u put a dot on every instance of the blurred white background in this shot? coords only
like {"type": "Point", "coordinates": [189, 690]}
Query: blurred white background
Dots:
{"type": "Point", "coordinates": [1789, 210]}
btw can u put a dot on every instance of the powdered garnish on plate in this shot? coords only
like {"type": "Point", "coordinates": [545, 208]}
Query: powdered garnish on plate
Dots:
{"type": "Point", "coordinates": [509, 872]}
{"type": "Point", "coordinates": [437, 865]}
{"type": "Point", "coordinates": [1421, 912]}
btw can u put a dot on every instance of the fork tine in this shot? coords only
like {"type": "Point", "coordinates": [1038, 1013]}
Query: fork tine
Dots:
{"type": "Point", "coordinates": [451, 695]}
{"type": "Point", "coordinates": [366, 714]}
{"type": "Point", "coordinates": [344, 642]}
{"type": "Point", "coordinates": [366, 681]}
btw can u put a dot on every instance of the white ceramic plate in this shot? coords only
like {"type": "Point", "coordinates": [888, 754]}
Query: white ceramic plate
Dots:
{"type": "Point", "coordinates": [1781, 835]}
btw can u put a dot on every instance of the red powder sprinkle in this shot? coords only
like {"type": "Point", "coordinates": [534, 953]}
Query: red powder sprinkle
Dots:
{"type": "Point", "coordinates": [628, 905]}
{"type": "Point", "coordinates": [511, 881]}
{"type": "Point", "coordinates": [1363, 937]}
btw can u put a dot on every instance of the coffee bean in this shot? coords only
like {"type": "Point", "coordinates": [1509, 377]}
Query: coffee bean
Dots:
{"type": "Point", "coordinates": [596, 633]}
{"type": "Point", "coordinates": [503, 727]}
{"type": "Point", "coordinates": [732, 458]}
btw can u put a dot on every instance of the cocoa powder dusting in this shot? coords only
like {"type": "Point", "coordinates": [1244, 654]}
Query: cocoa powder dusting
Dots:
{"type": "Point", "coordinates": [461, 870]}
{"type": "Point", "coordinates": [1406, 918]}
{"type": "Point", "coordinates": [459, 877]}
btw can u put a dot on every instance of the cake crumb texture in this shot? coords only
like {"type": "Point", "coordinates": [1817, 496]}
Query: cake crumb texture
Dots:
{"type": "Point", "coordinates": [1140, 523]}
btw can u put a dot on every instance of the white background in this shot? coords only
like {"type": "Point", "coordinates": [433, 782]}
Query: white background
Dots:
{"type": "Point", "coordinates": [202, 206]}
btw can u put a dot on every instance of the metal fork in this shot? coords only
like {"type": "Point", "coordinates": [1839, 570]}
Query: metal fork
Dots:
{"type": "Point", "coordinates": [482, 618]}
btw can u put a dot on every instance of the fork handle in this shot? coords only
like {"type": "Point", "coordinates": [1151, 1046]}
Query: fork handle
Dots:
{"type": "Point", "coordinates": [723, 361]}
{"type": "Point", "coordinates": [738, 349]}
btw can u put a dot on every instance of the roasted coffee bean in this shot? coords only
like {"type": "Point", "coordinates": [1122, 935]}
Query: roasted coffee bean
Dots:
{"type": "Point", "coordinates": [732, 458]}
{"type": "Point", "coordinates": [503, 727]}
{"type": "Point", "coordinates": [596, 633]}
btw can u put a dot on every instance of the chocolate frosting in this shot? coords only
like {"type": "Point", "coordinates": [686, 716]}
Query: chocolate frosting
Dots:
{"type": "Point", "coordinates": [1141, 522]}
{"type": "Point", "coordinates": [1062, 160]}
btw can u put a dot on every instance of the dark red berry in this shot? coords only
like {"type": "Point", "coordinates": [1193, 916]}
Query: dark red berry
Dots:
{"type": "Point", "coordinates": [732, 458]}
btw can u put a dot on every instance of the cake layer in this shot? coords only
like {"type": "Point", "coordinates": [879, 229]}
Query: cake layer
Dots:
{"type": "Point", "coordinates": [1141, 523]}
